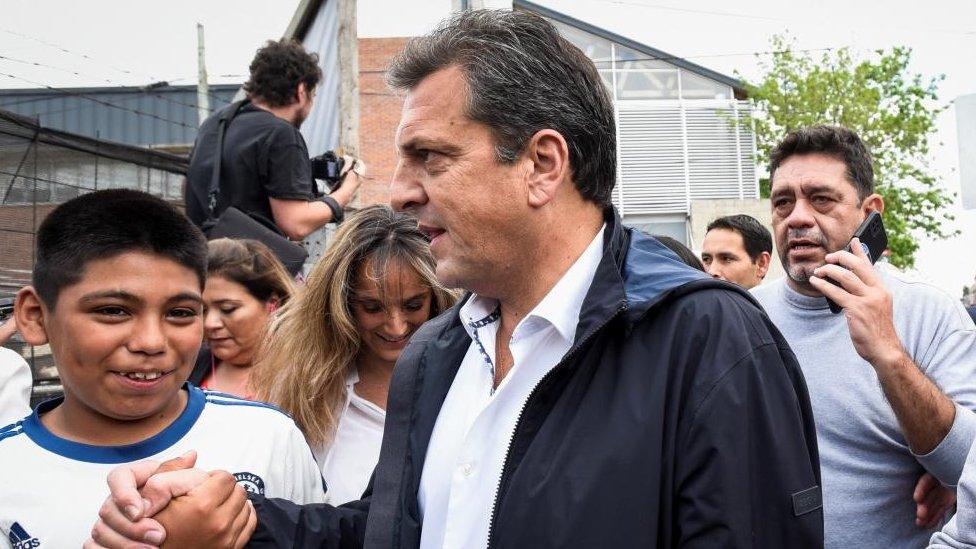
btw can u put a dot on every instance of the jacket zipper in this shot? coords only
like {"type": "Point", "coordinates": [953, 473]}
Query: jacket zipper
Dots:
{"type": "Point", "coordinates": [508, 452]}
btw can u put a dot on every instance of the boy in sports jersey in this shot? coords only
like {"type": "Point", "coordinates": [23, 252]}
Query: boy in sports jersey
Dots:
{"type": "Point", "coordinates": [117, 295]}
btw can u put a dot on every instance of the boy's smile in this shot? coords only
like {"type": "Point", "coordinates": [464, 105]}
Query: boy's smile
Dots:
{"type": "Point", "coordinates": [124, 338]}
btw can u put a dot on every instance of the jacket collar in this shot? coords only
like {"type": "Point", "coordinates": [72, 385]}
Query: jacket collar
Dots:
{"type": "Point", "coordinates": [636, 272]}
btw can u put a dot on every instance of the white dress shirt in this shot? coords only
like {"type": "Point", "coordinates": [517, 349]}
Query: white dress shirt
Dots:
{"type": "Point", "coordinates": [477, 421]}
{"type": "Point", "coordinates": [348, 461]}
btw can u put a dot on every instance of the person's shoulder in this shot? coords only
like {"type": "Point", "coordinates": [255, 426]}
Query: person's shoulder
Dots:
{"type": "Point", "coordinates": [11, 435]}
{"type": "Point", "coordinates": [719, 310]}
{"type": "Point", "coordinates": [912, 294]}
{"type": "Point", "coordinates": [768, 291]}
{"type": "Point", "coordinates": [234, 409]}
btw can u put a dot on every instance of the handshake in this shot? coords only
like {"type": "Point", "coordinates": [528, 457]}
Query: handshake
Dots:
{"type": "Point", "coordinates": [173, 505]}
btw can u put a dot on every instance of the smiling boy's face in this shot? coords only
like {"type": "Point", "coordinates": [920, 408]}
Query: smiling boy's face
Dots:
{"type": "Point", "coordinates": [124, 337]}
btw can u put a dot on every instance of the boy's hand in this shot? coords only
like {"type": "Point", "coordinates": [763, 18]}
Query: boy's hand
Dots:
{"type": "Point", "coordinates": [215, 514]}
{"type": "Point", "coordinates": [123, 516]}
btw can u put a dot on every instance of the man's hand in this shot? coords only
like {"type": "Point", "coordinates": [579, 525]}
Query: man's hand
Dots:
{"type": "Point", "coordinates": [123, 519]}
{"type": "Point", "coordinates": [215, 514]}
{"type": "Point", "coordinates": [866, 303]}
{"type": "Point", "coordinates": [932, 500]}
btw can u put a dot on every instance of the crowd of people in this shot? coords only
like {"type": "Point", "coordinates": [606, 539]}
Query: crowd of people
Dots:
{"type": "Point", "coordinates": [493, 359]}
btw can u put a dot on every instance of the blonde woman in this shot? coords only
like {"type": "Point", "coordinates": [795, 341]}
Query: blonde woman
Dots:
{"type": "Point", "coordinates": [330, 354]}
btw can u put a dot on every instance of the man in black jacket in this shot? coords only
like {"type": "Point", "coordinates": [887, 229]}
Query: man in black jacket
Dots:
{"type": "Point", "coordinates": [591, 391]}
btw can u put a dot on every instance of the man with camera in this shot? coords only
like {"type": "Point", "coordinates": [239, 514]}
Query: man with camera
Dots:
{"type": "Point", "coordinates": [265, 171]}
{"type": "Point", "coordinates": [891, 378]}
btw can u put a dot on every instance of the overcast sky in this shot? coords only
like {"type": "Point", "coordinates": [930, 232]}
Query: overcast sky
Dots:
{"type": "Point", "coordinates": [116, 42]}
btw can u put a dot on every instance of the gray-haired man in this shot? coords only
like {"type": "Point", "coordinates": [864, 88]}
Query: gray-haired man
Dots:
{"type": "Point", "coordinates": [592, 390]}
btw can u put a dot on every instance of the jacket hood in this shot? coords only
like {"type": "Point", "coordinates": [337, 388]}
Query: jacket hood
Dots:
{"type": "Point", "coordinates": [635, 273]}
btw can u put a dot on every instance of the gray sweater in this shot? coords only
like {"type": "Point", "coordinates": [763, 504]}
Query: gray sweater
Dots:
{"type": "Point", "coordinates": [869, 472]}
{"type": "Point", "coordinates": [960, 533]}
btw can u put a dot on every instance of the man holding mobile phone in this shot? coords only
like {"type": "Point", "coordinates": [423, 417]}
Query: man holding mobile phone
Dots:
{"type": "Point", "coordinates": [889, 377]}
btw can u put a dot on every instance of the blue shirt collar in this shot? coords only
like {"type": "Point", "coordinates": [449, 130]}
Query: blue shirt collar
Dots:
{"type": "Point", "coordinates": [149, 447]}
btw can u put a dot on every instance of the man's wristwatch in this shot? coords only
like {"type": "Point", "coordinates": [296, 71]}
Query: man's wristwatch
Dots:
{"type": "Point", "coordinates": [338, 214]}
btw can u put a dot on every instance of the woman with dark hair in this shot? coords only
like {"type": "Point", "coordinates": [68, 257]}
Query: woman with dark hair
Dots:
{"type": "Point", "coordinates": [246, 283]}
{"type": "Point", "coordinates": [329, 356]}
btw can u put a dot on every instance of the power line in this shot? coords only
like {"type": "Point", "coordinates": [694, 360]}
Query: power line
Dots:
{"type": "Point", "coordinates": [66, 50]}
{"type": "Point", "coordinates": [99, 101]}
{"type": "Point", "coordinates": [193, 106]}
{"type": "Point", "coordinates": [774, 19]}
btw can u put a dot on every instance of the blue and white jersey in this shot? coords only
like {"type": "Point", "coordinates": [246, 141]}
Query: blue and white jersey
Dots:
{"type": "Point", "coordinates": [51, 488]}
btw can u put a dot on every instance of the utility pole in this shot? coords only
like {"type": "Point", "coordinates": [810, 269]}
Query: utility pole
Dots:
{"type": "Point", "coordinates": [203, 90]}
{"type": "Point", "coordinates": [348, 78]}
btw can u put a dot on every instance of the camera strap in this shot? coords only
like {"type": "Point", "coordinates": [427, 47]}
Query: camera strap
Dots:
{"type": "Point", "coordinates": [213, 191]}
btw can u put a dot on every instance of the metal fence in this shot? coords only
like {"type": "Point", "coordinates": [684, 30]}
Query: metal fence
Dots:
{"type": "Point", "coordinates": [41, 168]}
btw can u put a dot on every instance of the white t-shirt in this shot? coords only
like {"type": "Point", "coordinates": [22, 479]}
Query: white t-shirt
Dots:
{"type": "Point", "coordinates": [348, 462]}
{"type": "Point", "coordinates": [15, 386]}
{"type": "Point", "coordinates": [51, 488]}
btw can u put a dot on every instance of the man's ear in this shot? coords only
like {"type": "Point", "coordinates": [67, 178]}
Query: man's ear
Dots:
{"type": "Point", "coordinates": [873, 203]}
{"type": "Point", "coordinates": [762, 264]}
{"type": "Point", "coordinates": [548, 155]}
{"type": "Point", "coordinates": [29, 312]}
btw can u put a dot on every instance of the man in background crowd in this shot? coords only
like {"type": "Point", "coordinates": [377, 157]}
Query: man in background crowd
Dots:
{"type": "Point", "coordinates": [890, 379]}
{"type": "Point", "coordinates": [738, 249]}
{"type": "Point", "coordinates": [265, 169]}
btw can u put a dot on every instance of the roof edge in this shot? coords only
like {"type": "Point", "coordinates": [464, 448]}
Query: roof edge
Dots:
{"type": "Point", "coordinates": [737, 85]}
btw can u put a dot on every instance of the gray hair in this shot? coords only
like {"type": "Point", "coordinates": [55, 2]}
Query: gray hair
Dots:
{"type": "Point", "coordinates": [522, 77]}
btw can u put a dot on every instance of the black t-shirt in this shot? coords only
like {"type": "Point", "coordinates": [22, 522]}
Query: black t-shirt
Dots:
{"type": "Point", "coordinates": [264, 157]}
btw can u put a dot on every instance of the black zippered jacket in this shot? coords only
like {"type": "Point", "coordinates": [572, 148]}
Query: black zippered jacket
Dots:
{"type": "Point", "coordinates": [679, 418]}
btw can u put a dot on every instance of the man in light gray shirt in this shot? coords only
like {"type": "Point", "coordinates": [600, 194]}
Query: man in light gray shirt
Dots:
{"type": "Point", "coordinates": [890, 377]}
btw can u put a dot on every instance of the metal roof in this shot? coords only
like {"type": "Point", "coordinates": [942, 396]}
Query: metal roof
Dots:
{"type": "Point", "coordinates": [655, 53]}
{"type": "Point", "coordinates": [145, 116]}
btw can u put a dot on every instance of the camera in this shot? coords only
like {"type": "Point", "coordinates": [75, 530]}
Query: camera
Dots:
{"type": "Point", "coordinates": [328, 167]}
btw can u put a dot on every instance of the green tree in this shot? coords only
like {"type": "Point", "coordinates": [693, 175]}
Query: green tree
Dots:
{"type": "Point", "coordinates": [893, 110]}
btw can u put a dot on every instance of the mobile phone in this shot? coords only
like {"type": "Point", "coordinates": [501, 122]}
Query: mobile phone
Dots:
{"type": "Point", "coordinates": [874, 241]}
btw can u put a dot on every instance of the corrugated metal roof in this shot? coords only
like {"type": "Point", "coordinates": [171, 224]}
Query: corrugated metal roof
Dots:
{"type": "Point", "coordinates": [164, 115]}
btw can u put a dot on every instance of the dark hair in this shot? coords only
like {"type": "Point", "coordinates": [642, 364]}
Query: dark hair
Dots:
{"type": "Point", "coordinates": [522, 77]}
{"type": "Point", "coordinates": [252, 265]}
{"type": "Point", "coordinates": [684, 254]}
{"type": "Point", "coordinates": [755, 236]}
{"type": "Point", "coordinates": [836, 141]}
{"type": "Point", "coordinates": [277, 70]}
{"type": "Point", "coordinates": [105, 224]}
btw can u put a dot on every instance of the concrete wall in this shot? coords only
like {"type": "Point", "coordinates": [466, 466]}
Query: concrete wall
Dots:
{"type": "Point", "coordinates": [704, 211]}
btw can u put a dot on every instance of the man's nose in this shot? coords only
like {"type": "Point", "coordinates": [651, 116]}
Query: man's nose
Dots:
{"type": "Point", "coordinates": [406, 189]}
{"type": "Point", "coordinates": [801, 215]}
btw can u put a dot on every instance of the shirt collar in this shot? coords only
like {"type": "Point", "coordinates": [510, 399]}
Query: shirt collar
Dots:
{"type": "Point", "coordinates": [560, 307]}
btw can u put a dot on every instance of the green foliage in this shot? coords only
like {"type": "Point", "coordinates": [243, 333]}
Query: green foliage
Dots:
{"type": "Point", "coordinates": [894, 111]}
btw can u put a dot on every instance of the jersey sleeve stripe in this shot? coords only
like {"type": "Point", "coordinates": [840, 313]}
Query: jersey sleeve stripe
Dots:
{"type": "Point", "coordinates": [233, 401]}
{"type": "Point", "coordinates": [9, 433]}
